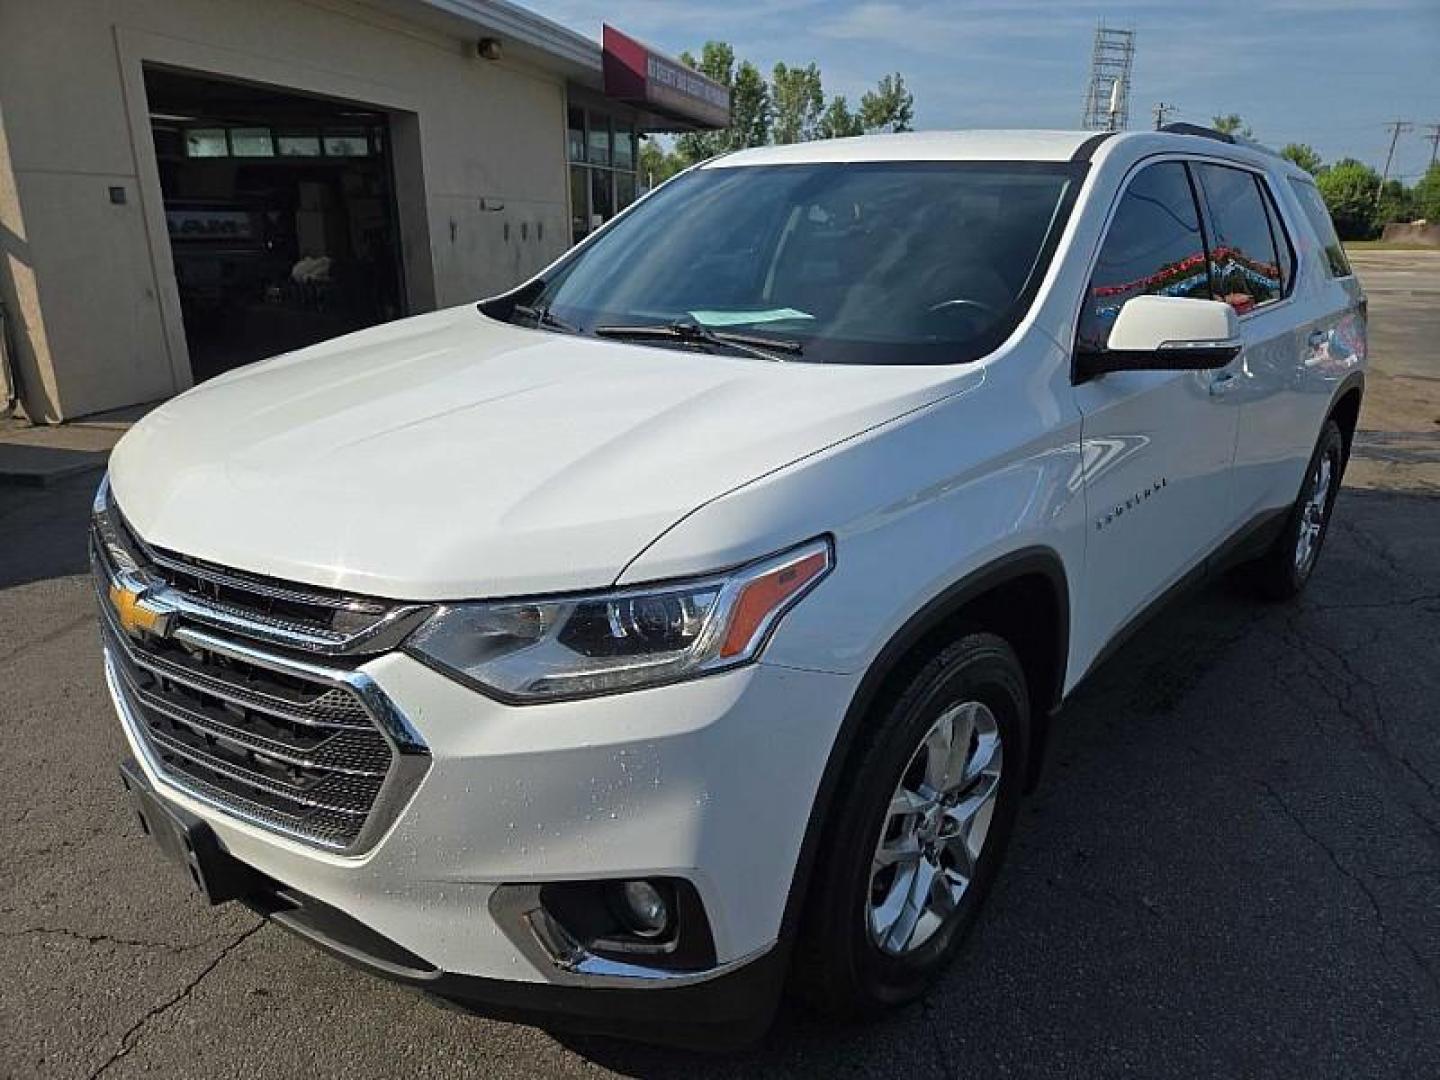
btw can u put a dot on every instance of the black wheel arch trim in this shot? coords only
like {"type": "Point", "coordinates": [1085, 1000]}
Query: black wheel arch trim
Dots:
{"type": "Point", "coordinates": [1354, 381]}
{"type": "Point", "coordinates": [1007, 568]}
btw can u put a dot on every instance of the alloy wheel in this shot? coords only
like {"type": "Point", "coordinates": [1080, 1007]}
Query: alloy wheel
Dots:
{"type": "Point", "coordinates": [935, 828]}
{"type": "Point", "coordinates": [1313, 509]}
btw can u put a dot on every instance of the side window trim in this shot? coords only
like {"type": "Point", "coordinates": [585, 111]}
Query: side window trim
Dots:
{"type": "Point", "coordinates": [1203, 217]}
{"type": "Point", "coordinates": [1284, 249]}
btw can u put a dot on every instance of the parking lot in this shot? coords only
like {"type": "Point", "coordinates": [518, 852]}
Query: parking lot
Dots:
{"type": "Point", "coordinates": [1231, 868]}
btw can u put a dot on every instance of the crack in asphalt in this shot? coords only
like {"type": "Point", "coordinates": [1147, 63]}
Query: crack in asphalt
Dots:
{"type": "Point", "coordinates": [131, 1038]}
{"type": "Point", "coordinates": [95, 939]}
{"type": "Point", "coordinates": [1386, 931]}
{"type": "Point", "coordinates": [47, 638]}
{"type": "Point", "coordinates": [1406, 875]}
{"type": "Point", "coordinates": [1346, 700]}
{"type": "Point", "coordinates": [1372, 546]}
{"type": "Point", "coordinates": [1377, 605]}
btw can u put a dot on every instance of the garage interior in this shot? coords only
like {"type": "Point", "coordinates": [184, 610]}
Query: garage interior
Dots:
{"type": "Point", "coordinates": [280, 210]}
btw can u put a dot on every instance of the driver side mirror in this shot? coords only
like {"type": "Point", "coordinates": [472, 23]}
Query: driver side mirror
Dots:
{"type": "Point", "coordinates": [1165, 333]}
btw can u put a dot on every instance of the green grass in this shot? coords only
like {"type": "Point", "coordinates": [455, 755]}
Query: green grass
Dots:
{"type": "Point", "coordinates": [1384, 245]}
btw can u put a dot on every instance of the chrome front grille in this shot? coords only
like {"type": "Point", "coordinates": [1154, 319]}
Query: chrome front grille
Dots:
{"type": "Point", "coordinates": [311, 749]}
{"type": "Point", "coordinates": [303, 618]}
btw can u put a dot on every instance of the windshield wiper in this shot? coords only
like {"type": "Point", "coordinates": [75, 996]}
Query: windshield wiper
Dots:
{"type": "Point", "coordinates": [543, 317]}
{"type": "Point", "coordinates": [763, 348]}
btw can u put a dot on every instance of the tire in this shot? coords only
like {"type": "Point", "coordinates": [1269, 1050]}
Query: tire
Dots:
{"type": "Point", "coordinates": [852, 963]}
{"type": "Point", "coordinates": [1284, 569]}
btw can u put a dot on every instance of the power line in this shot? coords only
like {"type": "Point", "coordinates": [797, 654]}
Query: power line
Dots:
{"type": "Point", "coordinates": [1396, 127]}
{"type": "Point", "coordinates": [1434, 138]}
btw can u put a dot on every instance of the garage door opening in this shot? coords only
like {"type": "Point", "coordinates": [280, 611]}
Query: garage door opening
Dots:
{"type": "Point", "coordinates": [281, 213]}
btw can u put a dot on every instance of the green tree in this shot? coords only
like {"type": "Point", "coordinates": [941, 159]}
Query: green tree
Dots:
{"type": "Point", "coordinates": [1231, 124]}
{"type": "Point", "coordinates": [889, 107]}
{"type": "Point", "coordinates": [750, 108]}
{"type": "Point", "coordinates": [1427, 194]}
{"type": "Point", "coordinates": [717, 61]}
{"type": "Point", "coordinates": [1304, 155]}
{"type": "Point", "coordinates": [1348, 188]}
{"type": "Point", "coordinates": [799, 102]}
{"type": "Point", "coordinates": [838, 121]}
{"type": "Point", "coordinates": [749, 105]}
{"type": "Point", "coordinates": [789, 108]}
{"type": "Point", "coordinates": [1397, 203]}
{"type": "Point", "coordinates": [656, 166]}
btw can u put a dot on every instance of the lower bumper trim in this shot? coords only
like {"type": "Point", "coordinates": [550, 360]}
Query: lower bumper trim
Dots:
{"type": "Point", "coordinates": [730, 1010]}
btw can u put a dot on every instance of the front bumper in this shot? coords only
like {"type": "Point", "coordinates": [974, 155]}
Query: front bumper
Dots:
{"type": "Point", "coordinates": [729, 1010]}
{"type": "Point", "coordinates": [711, 781]}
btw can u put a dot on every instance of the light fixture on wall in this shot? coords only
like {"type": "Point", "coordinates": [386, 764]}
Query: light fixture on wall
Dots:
{"type": "Point", "coordinates": [488, 48]}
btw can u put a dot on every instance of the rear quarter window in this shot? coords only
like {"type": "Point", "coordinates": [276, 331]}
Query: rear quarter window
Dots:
{"type": "Point", "coordinates": [1319, 217]}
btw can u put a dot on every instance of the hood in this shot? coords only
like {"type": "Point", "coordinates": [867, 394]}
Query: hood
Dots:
{"type": "Point", "coordinates": [449, 455]}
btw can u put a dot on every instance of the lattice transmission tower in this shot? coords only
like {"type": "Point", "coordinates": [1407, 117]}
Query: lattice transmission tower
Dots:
{"type": "Point", "coordinates": [1107, 99]}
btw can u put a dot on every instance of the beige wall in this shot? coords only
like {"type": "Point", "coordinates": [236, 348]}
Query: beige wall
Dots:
{"type": "Point", "coordinates": [90, 284]}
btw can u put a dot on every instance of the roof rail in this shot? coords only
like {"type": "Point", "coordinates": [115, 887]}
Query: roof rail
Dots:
{"type": "Point", "coordinates": [1177, 128]}
{"type": "Point", "coordinates": [1203, 132]}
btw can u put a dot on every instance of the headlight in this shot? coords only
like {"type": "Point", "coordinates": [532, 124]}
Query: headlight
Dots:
{"type": "Point", "coordinates": [563, 647]}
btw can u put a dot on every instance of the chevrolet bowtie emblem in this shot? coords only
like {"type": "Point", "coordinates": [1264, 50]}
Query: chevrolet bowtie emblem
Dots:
{"type": "Point", "coordinates": [136, 614]}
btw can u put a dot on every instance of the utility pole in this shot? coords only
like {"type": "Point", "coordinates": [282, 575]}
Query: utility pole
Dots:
{"type": "Point", "coordinates": [1396, 127]}
{"type": "Point", "coordinates": [1160, 110]}
{"type": "Point", "coordinates": [1434, 138]}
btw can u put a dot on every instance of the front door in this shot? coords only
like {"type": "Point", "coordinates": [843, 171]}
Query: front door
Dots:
{"type": "Point", "coordinates": [1157, 446]}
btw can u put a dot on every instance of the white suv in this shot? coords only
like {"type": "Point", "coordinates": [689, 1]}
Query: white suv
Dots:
{"type": "Point", "coordinates": [698, 611]}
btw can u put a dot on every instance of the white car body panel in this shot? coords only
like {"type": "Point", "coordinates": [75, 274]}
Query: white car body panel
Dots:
{"type": "Point", "coordinates": [979, 483]}
{"type": "Point", "coordinates": [997, 145]}
{"type": "Point", "coordinates": [634, 784]}
{"type": "Point", "coordinates": [451, 456]}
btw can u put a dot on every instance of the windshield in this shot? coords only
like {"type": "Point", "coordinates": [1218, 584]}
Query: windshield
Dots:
{"type": "Point", "coordinates": [884, 263]}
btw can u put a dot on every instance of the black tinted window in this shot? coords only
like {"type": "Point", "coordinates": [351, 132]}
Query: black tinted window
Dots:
{"type": "Point", "coordinates": [1314, 207]}
{"type": "Point", "coordinates": [1244, 268]}
{"type": "Point", "coordinates": [1153, 246]}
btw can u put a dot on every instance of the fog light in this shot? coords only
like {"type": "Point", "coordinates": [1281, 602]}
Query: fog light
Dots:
{"type": "Point", "coordinates": [644, 908]}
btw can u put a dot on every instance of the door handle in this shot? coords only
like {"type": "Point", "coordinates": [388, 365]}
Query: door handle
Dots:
{"type": "Point", "coordinates": [1317, 338]}
{"type": "Point", "coordinates": [1221, 383]}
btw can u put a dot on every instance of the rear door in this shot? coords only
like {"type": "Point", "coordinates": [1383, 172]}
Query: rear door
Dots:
{"type": "Point", "coordinates": [1252, 268]}
{"type": "Point", "coordinates": [1298, 349]}
{"type": "Point", "coordinates": [1157, 446]}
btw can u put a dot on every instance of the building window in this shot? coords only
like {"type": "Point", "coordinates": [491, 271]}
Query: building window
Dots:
{"type": "Point", "coordinates": [601, 151]}
{"type": "Point", "coordinates": [599, 139]}
{"type": "Point", "coordinates": [624, 155]}
{"type": "Point", "coordinates": [575, 135]}
{"type": "Point", "coordinates": [206, 142]}
{"type": "Point", "coordinates": [251, 142]}
{"type": "Point", "coordinates": [298, 144]}
{"type": "Point", "coordinates": [344, 143]}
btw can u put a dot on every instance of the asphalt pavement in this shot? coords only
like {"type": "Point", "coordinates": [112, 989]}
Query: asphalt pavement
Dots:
{"type": "Point", "coordinates": [1232, 866]}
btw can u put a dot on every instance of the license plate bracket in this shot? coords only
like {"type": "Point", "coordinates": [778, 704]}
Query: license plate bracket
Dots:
{"type": "Point", "coordinates": [184, 838]}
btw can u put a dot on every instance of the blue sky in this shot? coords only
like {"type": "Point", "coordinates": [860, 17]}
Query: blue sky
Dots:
{"type": "Point", "coordinates": [1327, 72]}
